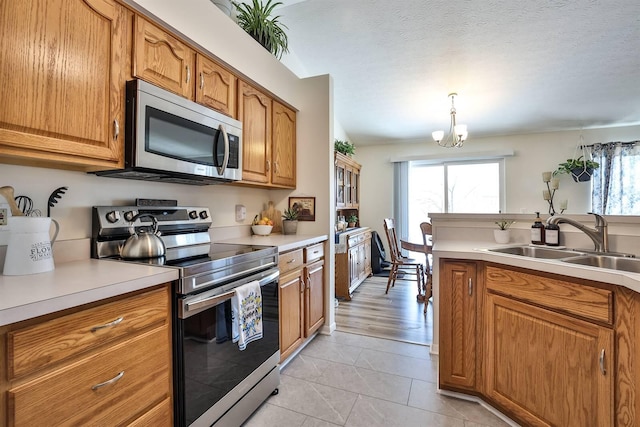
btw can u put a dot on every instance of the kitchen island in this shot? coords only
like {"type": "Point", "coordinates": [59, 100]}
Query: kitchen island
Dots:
{"type": "Point", "coordinates": [544, 341]}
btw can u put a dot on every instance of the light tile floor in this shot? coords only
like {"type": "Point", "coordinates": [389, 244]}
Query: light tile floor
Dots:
{"type": "Point", "coordinates": [353, 380]}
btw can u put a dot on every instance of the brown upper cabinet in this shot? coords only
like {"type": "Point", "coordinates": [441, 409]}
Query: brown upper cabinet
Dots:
{"type": "Point", "coordinates": [283, 172]}
{"type": "Point", "coordinates": [254, 111]}
{"type": "Point", "coordinates": [163, 60]}
{"type": "Point", "coordinates": [268, 139]}
{"type": "Point", "coordinates": [216, 87]}
{"type": "Point", "coordinates": [63, 90]}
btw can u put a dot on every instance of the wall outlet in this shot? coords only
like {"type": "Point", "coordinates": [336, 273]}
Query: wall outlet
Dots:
{"type": "Point", "coordinates": [241, 213]}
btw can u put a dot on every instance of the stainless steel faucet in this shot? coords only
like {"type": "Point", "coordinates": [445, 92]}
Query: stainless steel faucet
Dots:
{"type": "Point", "coordinates": [599, 234]}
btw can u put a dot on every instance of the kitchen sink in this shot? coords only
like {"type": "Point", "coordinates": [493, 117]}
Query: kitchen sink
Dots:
{"type": "Point", "coordinates": [537, 252]}
{"type": "Point", "coordinates": [604, 261]}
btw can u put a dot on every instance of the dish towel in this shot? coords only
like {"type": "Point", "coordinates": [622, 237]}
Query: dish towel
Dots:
{"type": "Point", "coordinates": [246, 310]}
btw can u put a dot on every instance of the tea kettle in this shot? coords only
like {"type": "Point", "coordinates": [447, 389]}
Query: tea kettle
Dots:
{"type": "Point", "coordinates": [143, 243]}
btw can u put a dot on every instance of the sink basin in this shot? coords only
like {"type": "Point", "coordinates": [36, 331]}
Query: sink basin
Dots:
{"type": "Point", "coordinates": [612, 262]}
{"type": "Point", "coordinates": [536, 252]}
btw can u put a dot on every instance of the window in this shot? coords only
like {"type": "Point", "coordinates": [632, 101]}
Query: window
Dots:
{"type": "Point", "coordinates": [451, 187]}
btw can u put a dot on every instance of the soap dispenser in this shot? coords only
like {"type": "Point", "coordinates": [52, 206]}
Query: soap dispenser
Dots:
{"type": "Point", "coordinates": [537, 231]}
{"type": "Point", "coordinates": [552, 235]}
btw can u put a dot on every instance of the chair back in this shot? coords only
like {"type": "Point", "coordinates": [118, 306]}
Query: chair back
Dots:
{"type": "Point", "coordinates": [427, 233]}
{"type": "Point", "coordinates": [392, 239]}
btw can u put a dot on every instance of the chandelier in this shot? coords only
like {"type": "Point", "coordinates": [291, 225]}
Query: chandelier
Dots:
{"type": "Point", "coordinates": [457, 133]}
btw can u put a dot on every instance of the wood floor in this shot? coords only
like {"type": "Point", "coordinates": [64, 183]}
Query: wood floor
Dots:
{"type": "Point", "coordinates": [396, 315]}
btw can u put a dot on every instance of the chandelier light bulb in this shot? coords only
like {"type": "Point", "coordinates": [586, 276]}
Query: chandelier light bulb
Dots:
{"type": "Point", "coordinates": [437, 135]}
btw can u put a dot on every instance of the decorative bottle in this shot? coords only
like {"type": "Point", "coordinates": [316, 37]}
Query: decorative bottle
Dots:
{"type": "Point", "coordinates": [552, 235]}
{"type": "Point", "coordinates": [537, 231]}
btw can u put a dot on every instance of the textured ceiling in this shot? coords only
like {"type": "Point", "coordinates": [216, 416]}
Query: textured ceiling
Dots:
{"type": "Point", "coordinates": [518, 66]}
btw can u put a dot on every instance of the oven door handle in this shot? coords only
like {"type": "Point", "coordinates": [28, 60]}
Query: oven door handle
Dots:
{"type": "Point", "coordinates": [201, 304]}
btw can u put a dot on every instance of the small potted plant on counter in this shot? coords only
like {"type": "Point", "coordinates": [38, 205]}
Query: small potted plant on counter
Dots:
{"type": "Point", "coordinates": [502, 234]}
{"type": "Point", "coordinates": [352, 220]}
{"type": "Point", "coordinates": [290, 221]}
{"type": "Point", "coordinates": [579, 169]}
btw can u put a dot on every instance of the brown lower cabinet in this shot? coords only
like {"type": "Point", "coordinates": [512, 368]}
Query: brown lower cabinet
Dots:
{"type": "Point", "coordinates": [104, 364]}
{"type": "Point", "coordinates": [545, 349]}
{"type": "Point", "coordinates": [301, 296]}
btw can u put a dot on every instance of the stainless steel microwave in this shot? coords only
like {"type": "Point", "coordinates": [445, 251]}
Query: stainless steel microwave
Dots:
{"type": "Point", "coordinates": [171, 139]}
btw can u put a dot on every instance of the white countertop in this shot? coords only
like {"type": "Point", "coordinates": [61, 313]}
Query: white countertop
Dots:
{"type": "Point", "coordinates": [478, 251]}
{"type": "Point", "coordinates": [284, 242]}
{"type": "Point", "coordinates": [72, 284]}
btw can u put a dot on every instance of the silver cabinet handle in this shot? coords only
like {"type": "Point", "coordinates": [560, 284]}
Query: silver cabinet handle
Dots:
{"type": "Point", "coordinates": [268, 165]}
{"type": "Point", "coordinates": [106, 383]}
{"type": "Point", "coordinates": [603, 370]}
{"type": "Point", "coordinates": [304, 285]}
{"type": "Point", "coordinates": [107, 325]}
{"type": "Point", "coordinates": [201, 80]}
{"type": "Point", "coordinates": [291, 260]}
{"type": "Point", "coordinates": [188, 73]}
{"type": "Point", "coordinates": [470, 286]}
{"type": "Point", "coordinates": [116, 129]}
{"type": "Point", "coordinates": [275, 164]}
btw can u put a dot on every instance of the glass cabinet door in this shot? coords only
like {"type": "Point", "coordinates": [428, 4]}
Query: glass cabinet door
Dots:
{"type": "Point", "coordinates": [340, 193]}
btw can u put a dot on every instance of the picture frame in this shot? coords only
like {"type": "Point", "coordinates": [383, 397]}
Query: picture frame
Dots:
{"type": "Point", "coordinates": [306, 207]}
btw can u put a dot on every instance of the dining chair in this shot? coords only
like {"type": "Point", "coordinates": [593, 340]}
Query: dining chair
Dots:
{"type": "Point", "coordinates": [427, 240]}
{"type": "Point", "coordinates": [400, 263]}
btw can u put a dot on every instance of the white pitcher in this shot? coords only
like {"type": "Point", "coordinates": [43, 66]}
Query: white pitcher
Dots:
{"type": "Point", "coordinates": [29, 247]}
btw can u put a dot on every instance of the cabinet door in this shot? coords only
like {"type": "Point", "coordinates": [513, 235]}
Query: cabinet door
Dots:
{"type": "Point", "coordinates": [340, 189]}
{"type": "Point", "coordinates": [314, 303]}
{"type": "Point", "coordinates": [62, 68]}
{"type": "Point", "coordinates": [355, 188]}
{"type": "Point", "coordinates": [283, 172]}
{"type": "Point", "coordinates": [216, 86]}
{"type": "Point", "coordinates": [458, 308]}
{"type": "Point", "coordinates": [161, 59]}
{"type": "Point", "coordinates": [367, 256]}
{"type": "Point", "coordinates": [354, 273]}
{"type": "Point", "coordinates": [254, 110]}
{"type": "Point", "coordinates": [291, 312]}
{"type": "Point", "coordinates": [566, 381]}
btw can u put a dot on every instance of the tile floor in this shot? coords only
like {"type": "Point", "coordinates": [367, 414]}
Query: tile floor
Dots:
{"type": "Point", "coordinates": [353, 380]}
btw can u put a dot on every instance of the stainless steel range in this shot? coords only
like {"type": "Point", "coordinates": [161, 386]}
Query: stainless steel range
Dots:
{"type": "Point", "coordinates": [214, 382]}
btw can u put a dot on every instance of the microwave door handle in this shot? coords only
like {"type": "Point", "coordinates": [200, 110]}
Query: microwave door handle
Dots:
{"type": "Point", "coordinates": [223, 167]}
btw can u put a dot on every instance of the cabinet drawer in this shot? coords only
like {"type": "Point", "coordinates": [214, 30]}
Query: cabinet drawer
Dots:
{"type": "Point", "coordinates": [354, 240]}
{"type": "Point", "coordinates": [160, 415]}
{"type": "Point", "coordinates": [313, 253]}
{"type": "Point", "coordinates": [569, 297]}
{"type": "Point", "coordinates": [48, 343]}
{"type": "Point", "coordinates": [81, 394]}
{"type": "Point", "coordinates": [290, 261]}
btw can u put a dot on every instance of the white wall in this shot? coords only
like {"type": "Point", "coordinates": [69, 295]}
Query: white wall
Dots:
{"type": "Point", "coordinates": [533, 154]}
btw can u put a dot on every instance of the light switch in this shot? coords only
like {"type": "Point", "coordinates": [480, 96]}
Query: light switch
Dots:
{"type": "Point", "coordinates": [241, 213]}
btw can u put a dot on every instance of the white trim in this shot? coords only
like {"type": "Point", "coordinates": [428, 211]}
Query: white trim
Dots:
{"type": "Point", "coordinates": [467, 155]}
{"type": "Point", "coordinates": [480, 402]}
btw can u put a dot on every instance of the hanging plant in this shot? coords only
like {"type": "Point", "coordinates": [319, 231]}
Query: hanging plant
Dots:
{"type": "Point", "coordinates": [256, 20]}
{"type": "Point", "coordinates": [579, 169]}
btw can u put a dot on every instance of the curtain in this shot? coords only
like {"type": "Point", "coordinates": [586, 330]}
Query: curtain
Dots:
{"type": "Point", "coordinates": [401, 198]}
{"type": "Point", "coordinates": [616, 183]}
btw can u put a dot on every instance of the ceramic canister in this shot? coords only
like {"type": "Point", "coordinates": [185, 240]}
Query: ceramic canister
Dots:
{"type": "Point", "coordinates": [29, 246]}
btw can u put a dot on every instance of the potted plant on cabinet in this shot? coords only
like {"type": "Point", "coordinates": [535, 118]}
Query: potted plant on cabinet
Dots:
{"type": "Point", "coordinates": [502, 234]}
{"type": "Point", "coordinates": [352, 220]}
{"type": "Point", "coordinates": [344, 147]}
{"type": "Point", "coordinates": [290, 221]}
{"type": "Point", "coordinates": [579, 169]}
{"type": "Point", "coordinates": [256, 20]}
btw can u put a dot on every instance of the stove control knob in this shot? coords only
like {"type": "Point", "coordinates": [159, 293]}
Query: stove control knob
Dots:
{"type": "Point", "coordinates": [193, 214]}
{"type": "Point", "coordinates": [204, 215]}
{"type": "Point", "coordinates": [113, 216]}
{"type": "Point", "coordinates": [128, 215]}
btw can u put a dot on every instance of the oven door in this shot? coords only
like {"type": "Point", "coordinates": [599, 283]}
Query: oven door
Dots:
{"type": "Point", "coordinates": [212, 374]}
